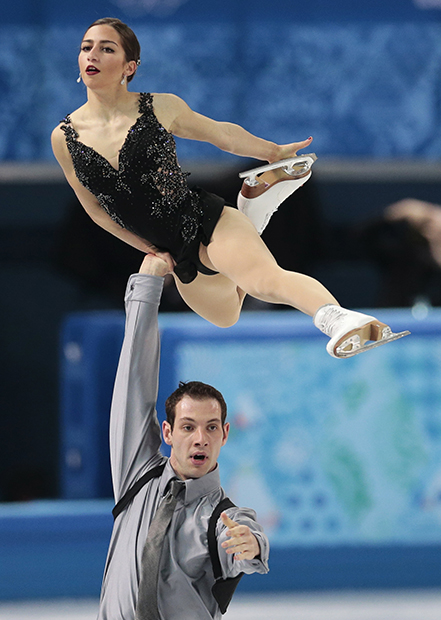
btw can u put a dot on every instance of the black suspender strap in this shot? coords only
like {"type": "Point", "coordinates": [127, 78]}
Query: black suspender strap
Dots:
{"type": "Point", "coordinates": [130, 494]}
{"type": "Point", "coordinates": [223, 589]}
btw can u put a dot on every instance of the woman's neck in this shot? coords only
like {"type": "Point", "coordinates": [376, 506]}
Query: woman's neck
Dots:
{"type": "Point", "coordinates": [109, 104]}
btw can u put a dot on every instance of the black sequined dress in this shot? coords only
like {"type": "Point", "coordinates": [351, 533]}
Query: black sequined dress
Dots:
{"type": "Point", "coordinates": [148, 194]}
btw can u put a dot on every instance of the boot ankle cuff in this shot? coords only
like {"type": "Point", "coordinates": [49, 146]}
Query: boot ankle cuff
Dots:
{"type": "Point", "coordinates": [314, 318]}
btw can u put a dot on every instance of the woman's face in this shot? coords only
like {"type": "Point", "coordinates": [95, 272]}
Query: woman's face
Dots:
{"type": "Point", "coordinates": [102, 59]}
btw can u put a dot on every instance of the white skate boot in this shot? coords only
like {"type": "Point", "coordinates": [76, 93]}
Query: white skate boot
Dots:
{"type": "Point", "coordinates": [266, 187]}
{"type": "Point", "coordinates": [350, 331]}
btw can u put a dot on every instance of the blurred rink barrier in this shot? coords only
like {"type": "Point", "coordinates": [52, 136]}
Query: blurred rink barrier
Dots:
{"type": "Point", "coordinates": [340, 458]}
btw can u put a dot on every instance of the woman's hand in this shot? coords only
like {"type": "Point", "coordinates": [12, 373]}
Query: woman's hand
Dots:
{"type": "Point", "coordinates": [284, 151]}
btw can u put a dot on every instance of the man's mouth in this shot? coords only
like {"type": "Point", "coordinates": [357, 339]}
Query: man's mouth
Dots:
{"type": "Point", "coordinates": [199, 458]}
{"type": "Point", "coordinates": [91, 70]}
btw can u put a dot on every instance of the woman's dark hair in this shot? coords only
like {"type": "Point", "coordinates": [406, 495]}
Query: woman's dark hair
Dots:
{"type": "Point", "coordinates": [198, 391]}
{"type": "Point", "coordinates": [130, 43]}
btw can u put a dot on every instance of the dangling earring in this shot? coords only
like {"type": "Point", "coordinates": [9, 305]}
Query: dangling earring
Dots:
{"type": "Point", "coordinates": [79, 78]}
{"type": "Point", "coordinates": [123, 81]}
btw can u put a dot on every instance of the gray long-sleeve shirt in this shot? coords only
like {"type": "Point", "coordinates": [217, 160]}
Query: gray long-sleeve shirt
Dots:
{"type": "Point", "coordinates": [186, 576]}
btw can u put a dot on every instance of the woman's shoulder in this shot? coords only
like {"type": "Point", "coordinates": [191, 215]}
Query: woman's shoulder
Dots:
{"type": "Point", "coordinates": [65, 132]}
{"type": "Point", "coordinates": [58, 129]}
{"type": "Point", "coordinates": [163, 106]}
{"type": "Point", "coordinates": [168, 99]}
{"type": "Point", "coordinates": [167, 107]}
{"type": "Point", "coordinates": [58, 141]}
{"type": "Point", "coordinates": [69, 120]}
{"type": "Point", "coordinates": [57, 137]}
{"type": "Point", "coordinates": [78, 115]}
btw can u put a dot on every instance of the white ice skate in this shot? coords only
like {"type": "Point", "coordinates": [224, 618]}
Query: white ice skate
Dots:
{"type": "Point", "coordinates": [352, 332]}
{"type": "Point", "coordinates": [266, 187]}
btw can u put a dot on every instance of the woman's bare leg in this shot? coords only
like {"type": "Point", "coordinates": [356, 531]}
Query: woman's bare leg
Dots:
{"type": "Point", "coordinates": [216, 298]}
{"type": "Point", "coordinates": [246, 264]}
{"type": "Point", "coordinates": [237, 251]}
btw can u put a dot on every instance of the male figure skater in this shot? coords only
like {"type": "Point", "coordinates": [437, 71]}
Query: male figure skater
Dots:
{"type": "Point", "coordinates": [196, 430]}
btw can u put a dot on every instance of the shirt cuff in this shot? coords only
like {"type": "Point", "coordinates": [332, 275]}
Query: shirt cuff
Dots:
{"type": "Point", "coordinates": [144, 287]}
{"type": "Point", "coordinates": [260, 562]}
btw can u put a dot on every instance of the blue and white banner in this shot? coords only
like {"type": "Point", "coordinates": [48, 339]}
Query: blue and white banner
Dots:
{"type": "Point", "coordinates": [328, 452]}
{"type": "Point", "coordinates": [362, 78]}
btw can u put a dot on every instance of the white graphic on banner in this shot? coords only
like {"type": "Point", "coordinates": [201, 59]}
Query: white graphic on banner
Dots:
{"type": "Point", "coordinates": [161, 8]}
{"type": "Point", "coordinates": [428, 4]}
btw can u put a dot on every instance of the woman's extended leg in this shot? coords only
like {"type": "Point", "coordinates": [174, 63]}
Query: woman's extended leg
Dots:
{"type": "Point", "coordinates": [237, 251]}
{"type": "Point", "coordinates": [219, 298]}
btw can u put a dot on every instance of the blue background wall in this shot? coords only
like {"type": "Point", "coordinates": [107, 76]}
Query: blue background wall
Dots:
{"type": "Point", "coordinates": [341, 459]}
{"type": "Point", "coordinates": [362, 78]}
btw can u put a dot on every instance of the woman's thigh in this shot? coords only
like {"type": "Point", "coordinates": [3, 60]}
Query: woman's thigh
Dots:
{"type": "Point", "coordinates": [236, 249]}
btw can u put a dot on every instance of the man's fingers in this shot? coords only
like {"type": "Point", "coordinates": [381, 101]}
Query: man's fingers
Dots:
{"type": "Point", "coordinates": [232, 542]}
{"type": "Point", "coordinates": [238, 535]}
{"type": "Point", "coordinates": [227, 521]}
{"type": "Point", "coordinates": [241, 550]}
{"type": "Point", "coordinates": [241, 542]}
{"type": "Point", "coordinates": [234, 545]}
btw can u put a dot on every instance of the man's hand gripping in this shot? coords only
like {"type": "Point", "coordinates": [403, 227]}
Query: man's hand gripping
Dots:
{"type": "Point", "coordinates": [158, 264]}
{"type": "Point", "coordinates": [242, 541]}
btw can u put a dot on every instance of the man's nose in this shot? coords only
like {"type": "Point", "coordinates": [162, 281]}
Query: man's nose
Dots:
{"type": "Point", "coordinates": [200, 437]}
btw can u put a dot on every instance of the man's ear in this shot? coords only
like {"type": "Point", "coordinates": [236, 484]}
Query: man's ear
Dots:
{"type": "Point", "coordinates": [226, 430]}
{"type": "Point", "coordinates": [167, 433]}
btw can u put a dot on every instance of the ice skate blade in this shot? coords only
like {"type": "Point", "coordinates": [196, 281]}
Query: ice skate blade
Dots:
{"type": "Point", "coordinates": [341, 353]}
{"type": "Point", "coordinates": [293, 165]}
{"type": "Point", "coordinates": [276, 191]}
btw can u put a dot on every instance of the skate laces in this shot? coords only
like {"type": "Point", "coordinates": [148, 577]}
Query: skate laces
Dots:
{"type": "Point", "coordinates": [330, 319]}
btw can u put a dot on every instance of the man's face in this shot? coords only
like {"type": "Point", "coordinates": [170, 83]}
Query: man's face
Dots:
{"type": "Point", "coordinates": [196, 438]}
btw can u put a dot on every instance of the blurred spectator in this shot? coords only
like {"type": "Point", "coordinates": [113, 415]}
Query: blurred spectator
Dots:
{"type": "Point", "coordinates": [425, 217]}
{"type": "Point", "coordinates": [405, 246]}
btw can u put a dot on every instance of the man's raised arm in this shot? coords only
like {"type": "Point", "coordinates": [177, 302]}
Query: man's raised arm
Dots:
{"type": "Point", "coordinates": [134, 430]}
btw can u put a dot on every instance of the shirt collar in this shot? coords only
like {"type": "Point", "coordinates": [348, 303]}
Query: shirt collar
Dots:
{"type": "Point", "coordinates": [194, 487]}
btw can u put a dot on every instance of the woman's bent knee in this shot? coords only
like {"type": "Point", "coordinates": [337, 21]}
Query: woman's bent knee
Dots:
{"type": "Point", "coordinates": [214, 298]}
{"type": "Point", "coordinates": [224, 320]}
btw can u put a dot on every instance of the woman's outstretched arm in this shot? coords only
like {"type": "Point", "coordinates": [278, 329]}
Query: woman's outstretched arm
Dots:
{"type": "Point", "coordinates": [185, 123]}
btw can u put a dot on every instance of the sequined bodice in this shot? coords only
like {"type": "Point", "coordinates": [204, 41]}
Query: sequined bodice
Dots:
{"type": "Point", "coordinates": [148, 193]}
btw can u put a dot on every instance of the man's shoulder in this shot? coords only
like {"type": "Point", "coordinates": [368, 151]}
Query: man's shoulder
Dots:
{"type": "Point", "coordinates": [155, 466]}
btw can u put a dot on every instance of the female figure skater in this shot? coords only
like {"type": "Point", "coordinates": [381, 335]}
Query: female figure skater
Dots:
{"type": "Point", "coordinates": [118, 153]}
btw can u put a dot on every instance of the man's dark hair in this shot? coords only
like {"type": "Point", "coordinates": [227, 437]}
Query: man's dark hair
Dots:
{"type": "Point", "coordinates": [198, 391]}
